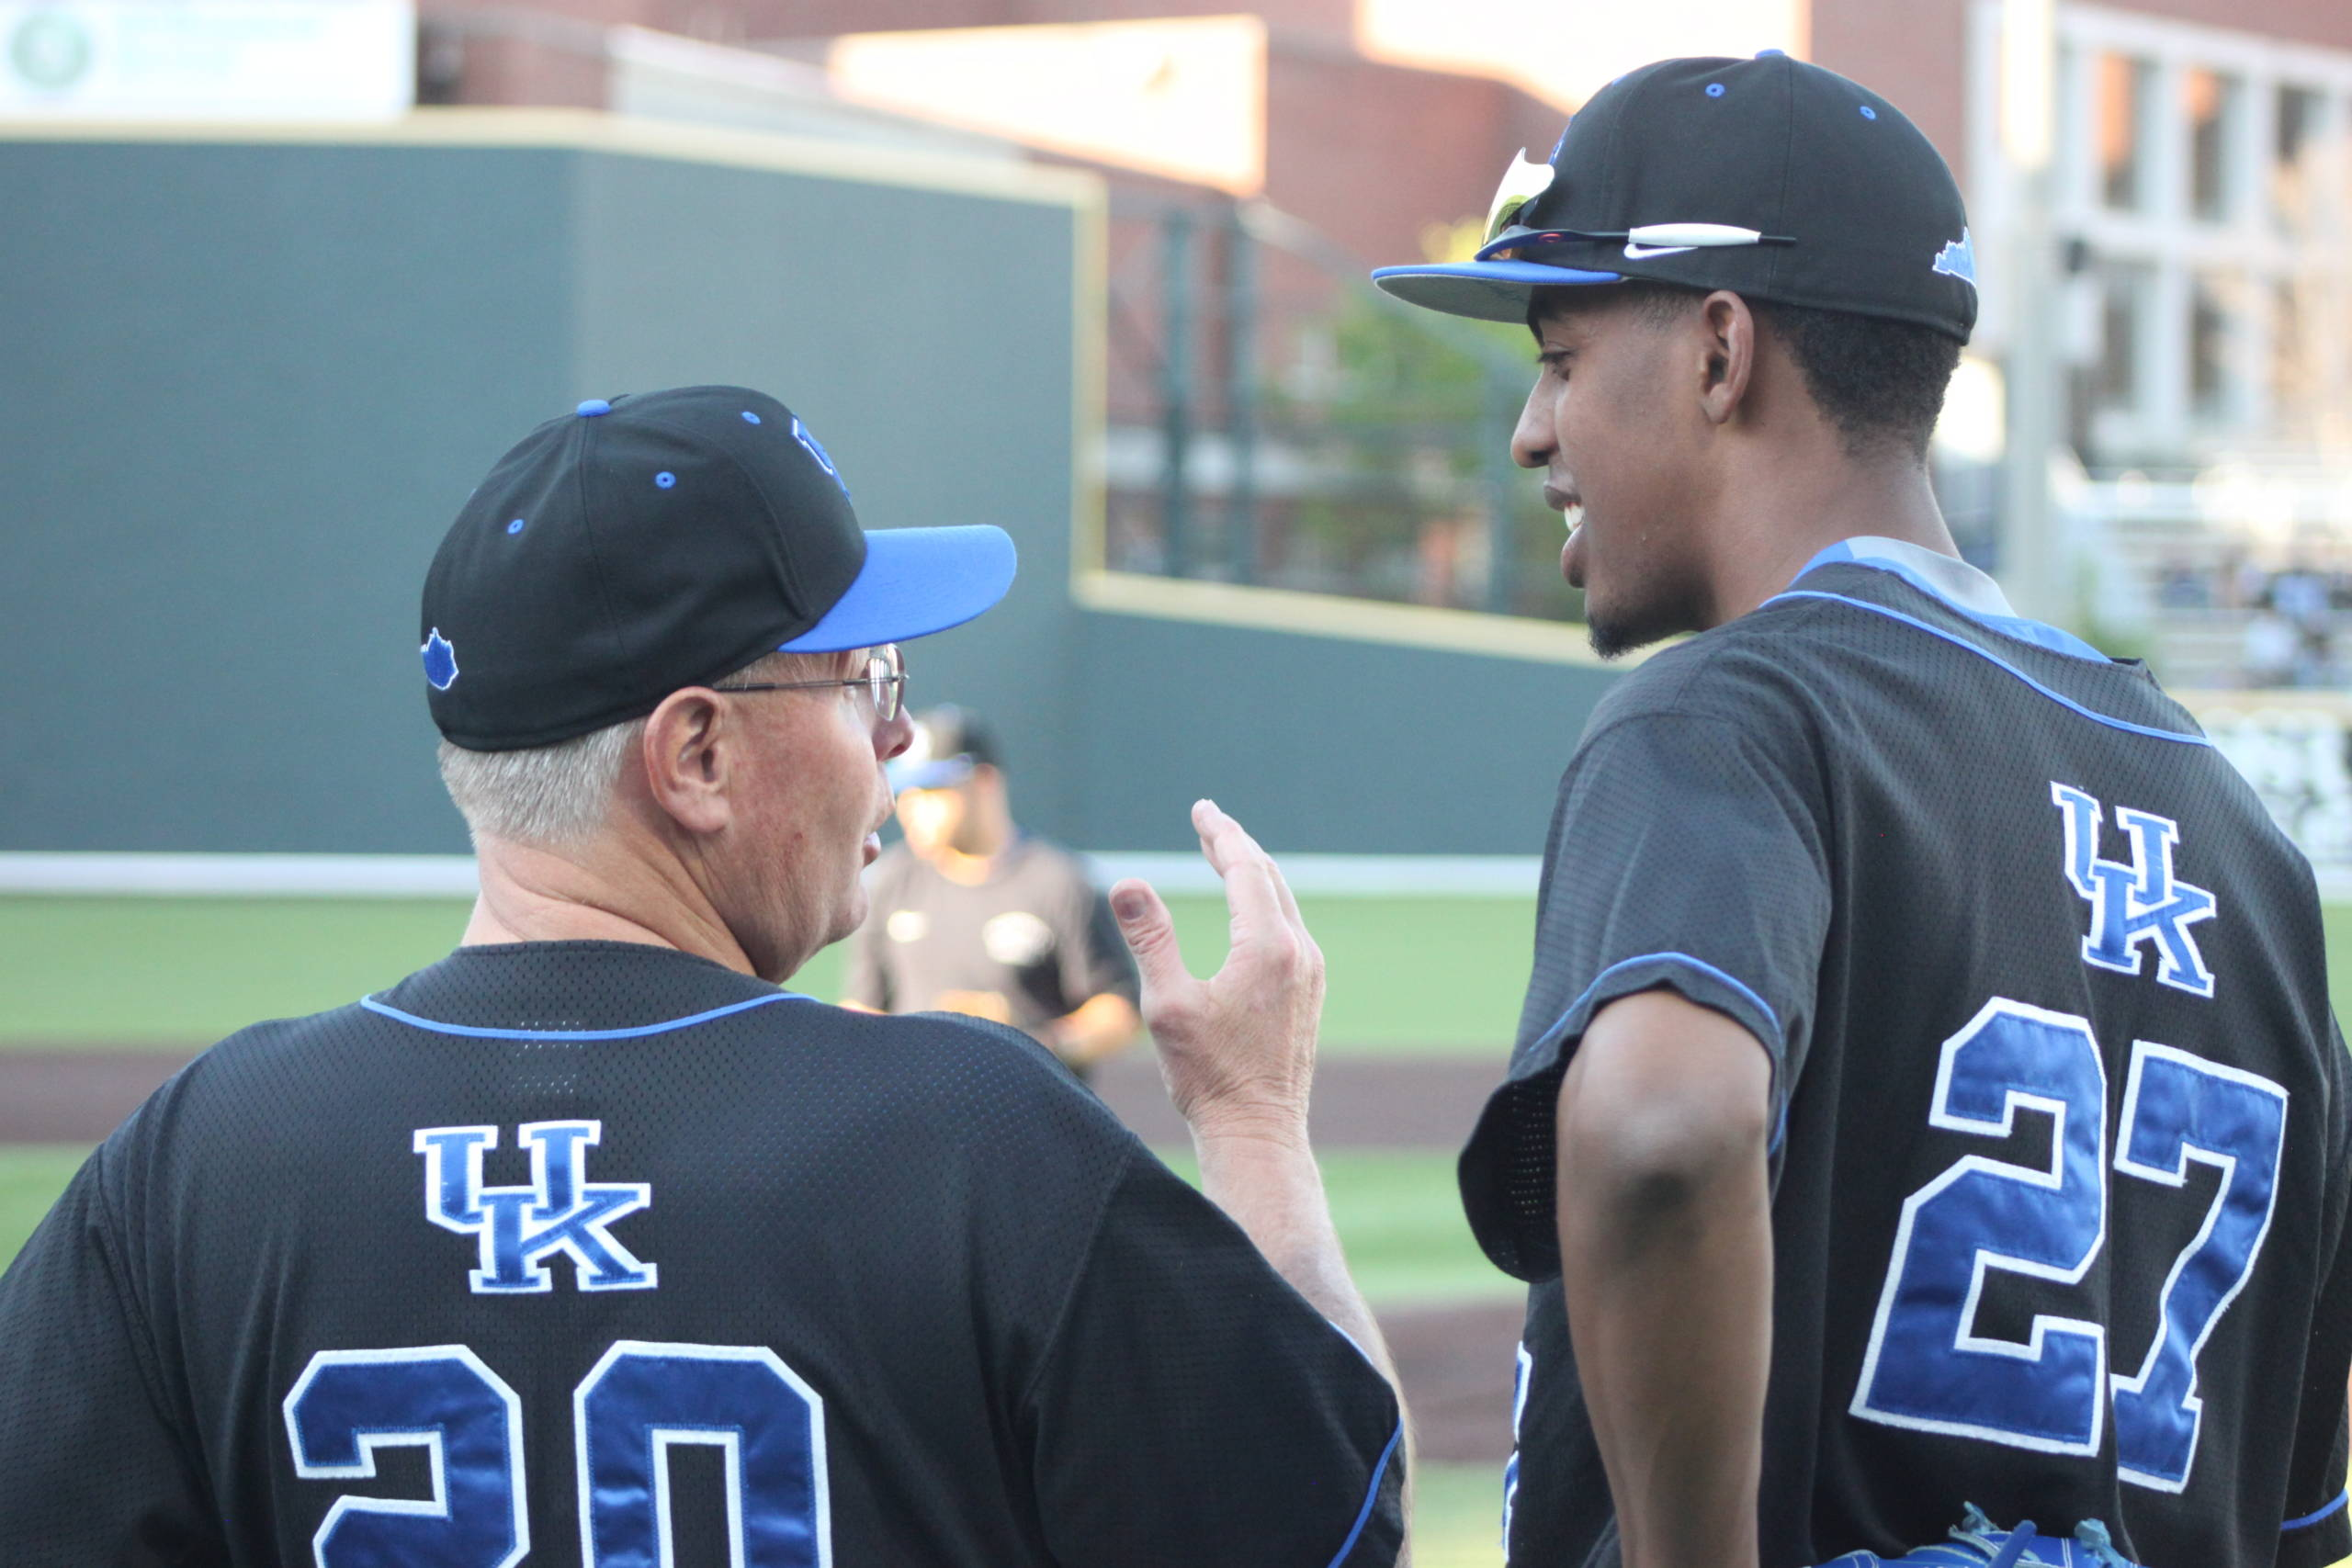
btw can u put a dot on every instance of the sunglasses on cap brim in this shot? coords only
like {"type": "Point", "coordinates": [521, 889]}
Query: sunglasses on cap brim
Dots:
{"type": "Point", "coordinates": [1524, 180]}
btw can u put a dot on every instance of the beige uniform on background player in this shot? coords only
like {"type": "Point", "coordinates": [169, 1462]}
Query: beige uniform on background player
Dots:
{"type": "Point", "coordinates": [972, 915]}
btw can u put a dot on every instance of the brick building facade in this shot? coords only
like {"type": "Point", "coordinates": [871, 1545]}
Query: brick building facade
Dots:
{"type": "Point", "coordinates": [2200, 199]}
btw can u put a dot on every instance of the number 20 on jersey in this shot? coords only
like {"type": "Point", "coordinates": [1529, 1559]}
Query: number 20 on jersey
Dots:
{"type": "Point", "coordinates": [638, 1402]}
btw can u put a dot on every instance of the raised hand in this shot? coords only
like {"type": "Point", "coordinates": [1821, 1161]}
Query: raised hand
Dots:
{"type": "Point", "coordinates": [1237, 1049]}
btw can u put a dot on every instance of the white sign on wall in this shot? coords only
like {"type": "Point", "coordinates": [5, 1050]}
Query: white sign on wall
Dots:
{"type": "Point", "coordinates": [208, 58]}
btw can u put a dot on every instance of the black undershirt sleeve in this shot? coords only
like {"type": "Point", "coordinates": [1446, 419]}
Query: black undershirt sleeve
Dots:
{"type": "Point", "coordinates": [1194, 1408]}
{"type": "Point", "coordinates": [91, 1470]}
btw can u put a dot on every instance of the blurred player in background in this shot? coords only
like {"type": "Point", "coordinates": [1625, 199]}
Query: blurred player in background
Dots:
{"type": "Point", "coordinates": [1926, 1094]}
{"type": "Point", "coordinates": [589, 1243]}
{"type": "Point", "coordinates": [972, 915]}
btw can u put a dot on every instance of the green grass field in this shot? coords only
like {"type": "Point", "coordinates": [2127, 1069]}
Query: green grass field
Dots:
{"type": "Point", "coordinates": [1414, 977]}
{"type": "Point", "coordinates": [31, 1176]}
{"type": "Point", "coordinates": [1407, 975]}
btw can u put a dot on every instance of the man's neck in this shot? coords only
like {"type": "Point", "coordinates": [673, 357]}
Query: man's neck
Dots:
{"type": "Point", "coordinates": [530, 893]}
{"type": "Point", "coordinates": [1814, 508]}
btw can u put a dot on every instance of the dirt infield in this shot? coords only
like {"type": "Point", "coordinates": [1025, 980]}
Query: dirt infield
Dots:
{"type": "Point", "coordinates": [1455, 1360]}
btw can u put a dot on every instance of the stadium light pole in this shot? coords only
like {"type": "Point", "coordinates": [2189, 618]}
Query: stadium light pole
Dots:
{"type": "Point", "coordinates": [1176, 393]}
{"type": "Point", "coordinates": [2034, 569]}
{"type": "Point", "coordinates": [1242, 397]}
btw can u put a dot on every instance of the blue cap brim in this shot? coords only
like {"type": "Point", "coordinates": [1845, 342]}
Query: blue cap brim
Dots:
{"type": "Point", "coordinates": [1490, 291]}
{"type": "Point", "coordinates": [915, 581]}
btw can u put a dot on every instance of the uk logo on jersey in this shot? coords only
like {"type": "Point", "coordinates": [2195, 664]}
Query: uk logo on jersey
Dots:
{"type": "Point", "coordinates": [517, 1227]}
{"type": "Point", "coordinates": [2138, 903]}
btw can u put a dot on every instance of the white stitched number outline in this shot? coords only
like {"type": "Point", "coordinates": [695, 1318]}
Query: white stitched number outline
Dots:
{"type": "Point", "coordinates": [640, 1400]}
{"type": "Point", "coordinates": [1926, 1368]}
{"type": "Point", "coordinates": [441, 1398]}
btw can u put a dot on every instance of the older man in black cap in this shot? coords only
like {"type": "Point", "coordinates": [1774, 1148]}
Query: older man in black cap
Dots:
{"type": "Point", "coordinates": [591, 1238]}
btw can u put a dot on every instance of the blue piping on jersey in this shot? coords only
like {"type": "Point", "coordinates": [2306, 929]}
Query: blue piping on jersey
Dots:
{"type": "Point", "coordinates": [2039, 633]}
{"type": "Point", "coordinates": [2064, 701]}
{"type": "Point", "coordinates": [1780, 1125]}
{"type": "Point", "coordinates": [1701, 964]}
{"type": "Point", "coordinates": [2308, 1520]}
{"type": "Point", "coordinates": [1371, 1495]}
{"type": "Point", "coordinates": [664, 1027]}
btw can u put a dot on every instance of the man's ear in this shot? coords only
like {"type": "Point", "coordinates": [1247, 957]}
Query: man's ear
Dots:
{"type": "Point", "coordinates": [688, 754]}
{"type": "Point", "coordinates": [1727, 329]}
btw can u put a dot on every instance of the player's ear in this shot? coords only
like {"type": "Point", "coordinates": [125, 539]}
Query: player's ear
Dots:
{"type": "Point", "coordinates": [687, 754]}
{"type": "Point", "coordinates": [1724, 337]}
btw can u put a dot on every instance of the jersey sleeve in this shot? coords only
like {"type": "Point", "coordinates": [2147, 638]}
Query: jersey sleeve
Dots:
{"type": "Point", "coordinates": [91, 1469]}
{"type": "Point", "coordinates": [1194, 1408]}
{"type": "Point", "coordinates": [2318, 1530]}
{"type": "Point", "coordinates": [1094, 956]}
{"type": "Point", "coordinates": [1685, 854]}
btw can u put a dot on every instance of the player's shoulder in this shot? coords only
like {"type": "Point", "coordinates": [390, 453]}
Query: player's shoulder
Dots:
{"type": "Point", "coordinates": [276, 1061]}
{"type": "Point", "coordinates": [1751, 673]}
{"type": "Point", "coordinates": [961, 1077]}
{"type": "Point", "coordinates": [991, 1113]}
{"type": "Point", "coordinates": [255, 1083]}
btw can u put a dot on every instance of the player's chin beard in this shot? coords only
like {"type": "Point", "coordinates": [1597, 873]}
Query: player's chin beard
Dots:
{"type": "Point", "coordinates": [1650, 610]}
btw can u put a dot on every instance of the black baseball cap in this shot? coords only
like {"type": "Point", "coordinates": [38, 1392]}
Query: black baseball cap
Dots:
{"type": "Point", "coordinates": [949, 744]}
{"type": "Point", "coordinates": [1772, 177]}
{"type": "Point", "coordinates": [664, 540]}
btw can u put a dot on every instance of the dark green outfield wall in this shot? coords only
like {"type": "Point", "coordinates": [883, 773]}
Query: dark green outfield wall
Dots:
{"type": "Point", "coordinates": [1322, 745]}
{"type": "Point", "coordinates": [244, 386]}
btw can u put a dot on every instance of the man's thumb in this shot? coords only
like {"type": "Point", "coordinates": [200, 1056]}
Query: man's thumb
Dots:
{"type": "Point", "coordinates": [1145, 923]}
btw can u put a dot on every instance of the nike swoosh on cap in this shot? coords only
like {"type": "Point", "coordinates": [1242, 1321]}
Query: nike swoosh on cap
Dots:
{"type": "Point", "coordinates": [1642, 253]}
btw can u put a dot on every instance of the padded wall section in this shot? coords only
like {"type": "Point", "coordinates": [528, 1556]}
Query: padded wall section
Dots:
{"type": "Point", "coordinates": [247, 386]}
{"type": "Point", "coordinates": [1322, 745]}
{"type": "Point", "coordinates": [925, 337]}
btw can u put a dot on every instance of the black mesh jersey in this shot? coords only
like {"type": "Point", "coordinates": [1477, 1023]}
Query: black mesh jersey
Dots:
{"type": "Point", "coordinates": [2058, 1178]}
{"type": "Point", "coordinates": [585, 1252]}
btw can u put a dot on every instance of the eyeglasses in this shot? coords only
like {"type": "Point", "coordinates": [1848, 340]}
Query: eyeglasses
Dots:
{"type": "Point", "coordinates": [884, 681]}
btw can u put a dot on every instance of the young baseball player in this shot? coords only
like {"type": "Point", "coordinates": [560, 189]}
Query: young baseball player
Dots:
{"type": "Point", "coordinates": [1926, 1094]}
{"type": "Point", "coordinates": [589, 1243]}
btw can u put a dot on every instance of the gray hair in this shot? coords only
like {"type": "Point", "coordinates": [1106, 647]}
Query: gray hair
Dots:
{"type": "Point", "coordinates": [557, 796]}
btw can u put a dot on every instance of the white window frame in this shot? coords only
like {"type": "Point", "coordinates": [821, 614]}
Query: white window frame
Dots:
{"type": "Point", "coordinates": [2164, 235]}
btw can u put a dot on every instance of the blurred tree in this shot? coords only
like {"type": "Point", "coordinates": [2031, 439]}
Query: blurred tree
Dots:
{"type": "Point", "coordinates": [1407, 438]}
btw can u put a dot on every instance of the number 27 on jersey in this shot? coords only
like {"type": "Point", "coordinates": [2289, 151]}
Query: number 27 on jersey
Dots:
{"type": "Point", "coordinates": [1929, 1369]}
